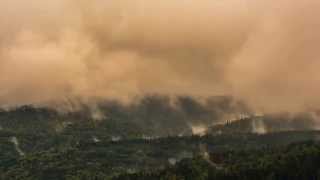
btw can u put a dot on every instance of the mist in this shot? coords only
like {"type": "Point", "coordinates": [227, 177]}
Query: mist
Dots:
{"type": "Point", "coordinates": [263, 53]}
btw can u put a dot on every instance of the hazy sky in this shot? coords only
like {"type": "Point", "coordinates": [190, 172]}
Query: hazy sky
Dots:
{"type": "Point", "coordinates": [265, 52]}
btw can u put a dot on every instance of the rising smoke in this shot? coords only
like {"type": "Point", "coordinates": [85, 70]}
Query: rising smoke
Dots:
{"type": "Point", "coordinates": [262, 52]}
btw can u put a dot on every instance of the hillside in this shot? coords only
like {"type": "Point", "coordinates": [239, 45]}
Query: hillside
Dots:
{"type": "Point", "coordinates": [152, 136]}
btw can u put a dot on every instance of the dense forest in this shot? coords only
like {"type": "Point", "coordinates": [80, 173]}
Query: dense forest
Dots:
{"type": "Point", "coordinates": [157, 138]}
{"type": "Point", "coordinates": [298, 161]}
{"type": "Point", "coordinates": [287, 155]}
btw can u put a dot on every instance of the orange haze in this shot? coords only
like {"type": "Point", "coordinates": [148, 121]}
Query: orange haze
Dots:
{"type": "Point", "coordinates": [264, 52]}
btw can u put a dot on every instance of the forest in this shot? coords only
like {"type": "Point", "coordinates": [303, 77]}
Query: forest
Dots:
{"type": "Point", "coordinates": [154, 139]}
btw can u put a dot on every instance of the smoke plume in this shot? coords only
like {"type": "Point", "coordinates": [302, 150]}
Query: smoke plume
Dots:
{"type": "Point", "coordinates": [262, 52]}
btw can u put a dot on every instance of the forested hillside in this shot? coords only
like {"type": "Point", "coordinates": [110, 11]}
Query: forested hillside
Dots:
{"type": "Point", "coordinates": [156, 138]}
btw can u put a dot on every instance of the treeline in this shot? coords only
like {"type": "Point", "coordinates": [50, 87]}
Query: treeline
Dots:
{"type": "Point", "coordinates": [150, 115]}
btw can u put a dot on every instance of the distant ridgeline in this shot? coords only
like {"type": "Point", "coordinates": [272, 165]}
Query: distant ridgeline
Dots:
{"type": "Point", "coordinates": [268, 123]}
{"type": "Point", "coordinates": [155, 116]}
{"type": "Point", "coordinates": [148, 116]}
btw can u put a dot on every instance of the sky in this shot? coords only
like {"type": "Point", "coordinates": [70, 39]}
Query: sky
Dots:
{"type": "Point", "coordinates": [262, 52]}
